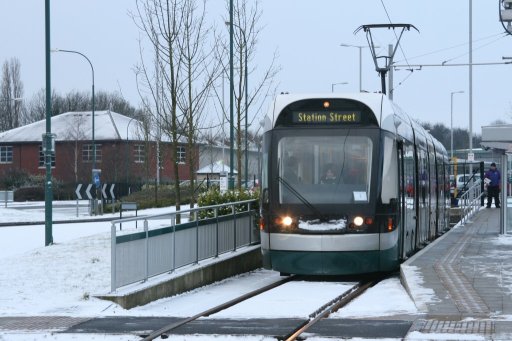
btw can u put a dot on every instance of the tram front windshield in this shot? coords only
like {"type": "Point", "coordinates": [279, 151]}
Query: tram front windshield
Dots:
{"type": "Point", "coordinates": [326, 169]}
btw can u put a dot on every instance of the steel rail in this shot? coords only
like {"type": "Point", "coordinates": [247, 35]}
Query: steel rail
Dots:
{"type": "Point", "coordinates": [331, 307]}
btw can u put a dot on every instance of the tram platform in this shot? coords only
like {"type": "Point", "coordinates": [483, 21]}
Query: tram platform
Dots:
{"type": "Point", "coordinates": [462, 282]}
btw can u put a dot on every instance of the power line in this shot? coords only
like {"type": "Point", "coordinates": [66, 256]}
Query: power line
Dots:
{"type": "Point", "coordinates": [396, 37]}
{"type": "Point", "coordinates": [453, 47]}
{"type": "Point", "coordinates": [420, 66]}
{"type": "Point", "coordinates": [464, 54]}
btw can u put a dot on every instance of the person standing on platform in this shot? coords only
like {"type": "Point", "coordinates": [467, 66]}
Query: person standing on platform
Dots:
{"type": "Point", "coordinates": [493, 185]}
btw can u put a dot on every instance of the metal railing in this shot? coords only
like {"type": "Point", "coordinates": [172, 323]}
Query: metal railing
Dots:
{"type": "Point", "coordinates": [471, 201]}
{"type": "Point", "coordinates": [164, 246]}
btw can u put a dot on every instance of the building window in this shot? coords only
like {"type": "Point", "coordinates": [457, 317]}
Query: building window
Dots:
{"type": "Point", "coordinates": [5, 154]}
{"type": "Point", "coordinates": [41, 158]}
{"type": "Point", "coordinates": [87, 153]}
{"type": "Point", "coordinates": [182, 155]}
{"type": "Point", "coordinates": [139, 153]}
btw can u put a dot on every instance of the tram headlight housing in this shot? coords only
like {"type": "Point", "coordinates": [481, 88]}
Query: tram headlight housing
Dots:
{"type": "Point", "coordinates": [360, 223]}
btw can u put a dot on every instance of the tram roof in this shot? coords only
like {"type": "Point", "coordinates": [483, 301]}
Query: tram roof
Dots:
{"type": "Point", "coordinates": [373, 100]}
{"type": "Point", "coordinates": [389, 115]}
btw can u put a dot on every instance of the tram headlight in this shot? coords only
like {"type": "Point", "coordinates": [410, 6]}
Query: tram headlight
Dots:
{"type": "Point", "coordinates": [287, 221]}
{"type": "Point", "coordinates": [358, 221]}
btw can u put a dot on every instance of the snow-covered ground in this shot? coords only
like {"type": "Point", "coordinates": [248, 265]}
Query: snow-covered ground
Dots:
{"type": "Point", "coordinates": [62, 279]}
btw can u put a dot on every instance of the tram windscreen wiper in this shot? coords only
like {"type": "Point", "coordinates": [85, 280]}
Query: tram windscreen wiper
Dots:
{"type": "Point", "coordinates": [300, 197]}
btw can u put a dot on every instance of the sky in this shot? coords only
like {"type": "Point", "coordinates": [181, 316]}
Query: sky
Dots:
{"type": "Point", "coordinates": [307, 37]}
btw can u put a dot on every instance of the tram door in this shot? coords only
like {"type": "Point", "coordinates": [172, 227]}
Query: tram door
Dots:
{"type": "Point", "coordinates": [408, 195]}
{"type": "Point", "coordinates": [432, 183]}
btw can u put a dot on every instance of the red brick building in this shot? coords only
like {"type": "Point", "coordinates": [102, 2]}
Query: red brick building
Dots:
{"type": "Point", "coordinates": [124, 151]}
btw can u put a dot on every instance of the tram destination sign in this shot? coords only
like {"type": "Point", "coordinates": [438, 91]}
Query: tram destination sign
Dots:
{"type": "Point", "coordinates": [326, 117]}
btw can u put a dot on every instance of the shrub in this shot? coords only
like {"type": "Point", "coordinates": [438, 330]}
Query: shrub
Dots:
{"type": "Point", "coordinates": [13, 178]}
{"type": "Point", "coordinates": [215, 197]}
{"type": "Point", "coordinates": [29, 194]}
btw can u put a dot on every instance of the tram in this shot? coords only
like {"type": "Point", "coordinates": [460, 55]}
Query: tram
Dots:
{"type": "Point", "coordinates": [350, 185]}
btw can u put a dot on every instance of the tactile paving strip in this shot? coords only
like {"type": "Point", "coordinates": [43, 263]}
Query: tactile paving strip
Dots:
{"type": "Point", "coordinates": [485, 328]}
{"type": "Point", "coordinates": [39, 322]}
{"type": "Point", "coordinates": [465, 297]}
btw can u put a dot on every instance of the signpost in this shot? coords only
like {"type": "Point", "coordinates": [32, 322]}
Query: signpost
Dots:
{"type": "Point", "coordinates": [89, 192]}
{"type": "Point", "coordinates": [97, 184]}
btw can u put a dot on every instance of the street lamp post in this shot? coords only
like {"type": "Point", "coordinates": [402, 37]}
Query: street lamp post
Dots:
{"type": "Point", "coordinates": [93, 129]}
{"type": "Point", "coordinates": [48, 191]}
{"type": "Point", "coordinates": [246, 97]}
{"type": "Point", "coordinates": [451, 121]}
{"type": "Point", "coordinates": [231, 99]}
{"type": "Point", "coordinates": [360, 47]}
{"type": "Point", "coordinates": [333, 84]}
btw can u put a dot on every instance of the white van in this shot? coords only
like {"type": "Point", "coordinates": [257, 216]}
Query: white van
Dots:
{"type": "Point", "coordinates": [462, 179]}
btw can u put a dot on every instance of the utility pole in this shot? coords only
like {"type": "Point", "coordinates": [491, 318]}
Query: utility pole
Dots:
{"type": "Point", "coordinates": [471, 82]}
{"type": "Point", "coordinates": [390, 76]}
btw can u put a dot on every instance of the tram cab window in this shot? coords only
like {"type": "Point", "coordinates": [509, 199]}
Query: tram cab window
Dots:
{"type": "Point", "coordinates": [324, 169]}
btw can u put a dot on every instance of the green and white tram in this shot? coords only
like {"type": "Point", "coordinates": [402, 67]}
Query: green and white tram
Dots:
{"type": "Point", "coordinates": [350, 185]}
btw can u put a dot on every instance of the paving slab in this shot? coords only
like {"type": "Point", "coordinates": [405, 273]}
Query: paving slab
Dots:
{"type": "Point", "coordinates": [462, 282]}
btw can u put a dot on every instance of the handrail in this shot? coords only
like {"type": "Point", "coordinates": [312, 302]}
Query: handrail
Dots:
{"type": "Point", "coordinates": [195, 209]}
{"type": "Point", "coordinates": [470, 201]}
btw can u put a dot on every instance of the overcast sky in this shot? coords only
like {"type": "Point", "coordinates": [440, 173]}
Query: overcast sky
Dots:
{"type": "Point", "coordinates": [307, 36]}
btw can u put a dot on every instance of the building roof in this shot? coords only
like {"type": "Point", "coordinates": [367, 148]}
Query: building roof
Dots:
{"type": "Point", "coordinates": [215, 168]}
{"type": "Point", "coordinates": [72, 126]}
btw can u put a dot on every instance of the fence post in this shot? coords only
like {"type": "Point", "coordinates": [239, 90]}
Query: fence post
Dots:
{"type": "Point", "coordinates": [234, 227]}
{"type": "Point", "coordinates": [250, 222]}
{"type": "Point", "coordinates": [173, 222]}
{"type": "Point", "coordinates": [146, 272]}
{"type": "Point", "coordinates": [216, 232]}
{"type": "Point", "coordinates": [197, 240]}
{"type": "Point", "coordinates": [113, 265]}
{"type": "Point", "coordinates": [482, 188]}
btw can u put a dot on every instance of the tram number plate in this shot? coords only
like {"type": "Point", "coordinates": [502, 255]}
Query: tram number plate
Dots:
{"type": "Point", "coordinates": [360, 196]}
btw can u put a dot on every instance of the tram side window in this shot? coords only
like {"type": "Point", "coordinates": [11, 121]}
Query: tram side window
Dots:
{"type": "Point", "coordinates": [389, 171]}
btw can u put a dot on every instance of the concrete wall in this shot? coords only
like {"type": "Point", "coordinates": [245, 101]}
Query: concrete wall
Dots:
{"type": "Point", "coordinates": [245, 260]}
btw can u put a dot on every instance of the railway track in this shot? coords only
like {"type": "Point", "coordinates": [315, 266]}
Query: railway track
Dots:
{"type": "Point", "coordinates": [295, 330]}
{"type": "Point", "coordinates": [166, 329]}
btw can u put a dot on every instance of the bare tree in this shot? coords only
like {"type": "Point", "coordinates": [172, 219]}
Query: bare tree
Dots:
{"type": "Point", "coordinates": [76, 133]}
{"type": "Point", "coordinates": [11, 92]}
{"type": "Point", "coordinates": [161, 21]}
{"type": "Point", "coordinates": [246, 28]}
{"type": "Point", "coordinates": [199, 73]}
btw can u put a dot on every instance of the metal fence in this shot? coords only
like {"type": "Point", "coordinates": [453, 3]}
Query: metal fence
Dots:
{"type": "Point", "coordinates": [162, 246]}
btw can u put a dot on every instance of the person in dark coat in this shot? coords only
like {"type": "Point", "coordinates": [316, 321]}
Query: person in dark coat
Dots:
{"type": "Point", "coordinates": [493, 186]}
